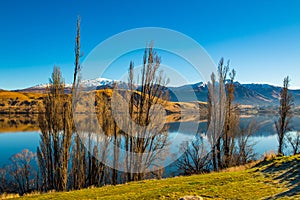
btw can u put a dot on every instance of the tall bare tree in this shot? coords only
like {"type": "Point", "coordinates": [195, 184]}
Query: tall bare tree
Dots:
{"type": "Point", "coordinates": [216, 113]}
{"type": "Point", "coordinates": [145, 139]}
{"type": "Point", "coordinates": [231, 126]}
{"type": "Point", "coordinates": [285, 114]}
{"type": "Point", "coordinates": [77, 66]}
{"type": "Point", "coordinates": [79, 153]}
{"type": "Point", "coordinates": [53, 152]}
{"type": "Point", "coordinates": [57, 127]}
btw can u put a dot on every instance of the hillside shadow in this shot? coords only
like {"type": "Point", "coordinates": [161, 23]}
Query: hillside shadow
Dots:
{"type": "Point", "coordinates": [287, 173]}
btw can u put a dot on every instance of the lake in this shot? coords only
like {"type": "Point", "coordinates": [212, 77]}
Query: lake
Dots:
{"type": "Point", "coordinates": [265, 138]}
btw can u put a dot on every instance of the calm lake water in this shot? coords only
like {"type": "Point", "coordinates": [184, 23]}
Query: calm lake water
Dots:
{"type": "Point", "coordinates": [265, 138]}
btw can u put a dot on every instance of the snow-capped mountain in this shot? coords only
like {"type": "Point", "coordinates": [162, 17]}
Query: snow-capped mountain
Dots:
{"type": "Point", "coordinates": [91, 84]}
{"type": "Point", "coordinates": [251, 94]}
{"type": "Point", "coordinates": [94, 83]}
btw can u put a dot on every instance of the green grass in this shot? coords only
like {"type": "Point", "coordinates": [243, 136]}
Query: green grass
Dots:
{"type": "Point", "coordinates": [277, 178]}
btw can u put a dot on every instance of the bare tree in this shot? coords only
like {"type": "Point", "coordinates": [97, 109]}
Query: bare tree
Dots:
{"type": "Point", "coordinates": [245, 150]}
{"type": "Point", "coordinates": [68, 123]}
{"type": "Point", "coordinates": [232, 120]}
{"type": "Point", "coordinates": [79, 152]}
{"type": "Point", "coordinates": [224, 121]}
{"type": "Point", "coordinates": [3, 180]}
{"type": "Point", "coordinates": [293, 138]}
{"type": "Point", "coordinates": [22, 171]}
{"type": "Point", "coordinates": [216, 113]}
{"type": "Point", "coordinates": [54, 123]}
{"type": "Point", "coordinates": [145, 139]}
{"type": "Point", "coordinates": [60, 143]}
{"type": "Point", "coordinates": [195, 159]}
{"type": "Point", "coordinates": [129, 138]}
{"type": "Point", "coordinates": [77, 66]}
{"type": "Point", "coordinates": [285, 114]}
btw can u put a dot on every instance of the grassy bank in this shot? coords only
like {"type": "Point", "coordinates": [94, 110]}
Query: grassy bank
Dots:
{"type": "Point", "coordinates": [274, 178]}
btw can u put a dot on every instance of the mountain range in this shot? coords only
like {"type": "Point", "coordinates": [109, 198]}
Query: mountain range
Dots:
{"type": "Point", "coordinates": [247, 94]}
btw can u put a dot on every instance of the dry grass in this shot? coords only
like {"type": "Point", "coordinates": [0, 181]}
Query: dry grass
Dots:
{"type": "Point", "coordinates": [9, 196]}
{"type": "Point", "coordinates": [20, 95]}
{"type": "Point", "coordinates": [241, 167]}
{"type": "Point", "coordinates": [269, 155]}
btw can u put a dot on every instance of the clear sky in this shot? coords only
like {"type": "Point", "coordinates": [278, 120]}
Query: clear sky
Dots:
{"type": "Point", "coordinates": [261, 38]}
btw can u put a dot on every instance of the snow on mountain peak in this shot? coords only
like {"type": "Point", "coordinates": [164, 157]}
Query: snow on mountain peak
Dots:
{"type": "Point", "coordinates": [96, 82]}
{"type": "Point", "coordinates": [91, 83]}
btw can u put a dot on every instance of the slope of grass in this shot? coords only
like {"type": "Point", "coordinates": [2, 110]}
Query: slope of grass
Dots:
{"type": "Point", "coordinates": [283, 170]}
{"type": "Point", "coordinates": [20, 95]}
{"type": "Point", "coordinates": [277, 178]}
{"type": "Point", "coordinates": [18, 102]}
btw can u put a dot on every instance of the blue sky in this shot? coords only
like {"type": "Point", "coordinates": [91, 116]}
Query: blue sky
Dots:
{"type": "Point", "coordinates": [261, 38]}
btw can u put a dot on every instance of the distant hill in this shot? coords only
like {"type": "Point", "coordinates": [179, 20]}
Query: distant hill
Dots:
{"type": "Point", "coordinates": [32, 103]}
{"type": "Point", "coordinates": [20, 102]}
{"type": "Point", "coordinates": [246, 94]}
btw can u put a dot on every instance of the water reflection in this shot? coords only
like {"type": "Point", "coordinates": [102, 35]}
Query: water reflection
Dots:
{"type": "Point", "coordinates": [14, 137]}
{"type": "Point", "coordinates": [18, 123]}
{"type": "Point", "coordinates": [14, 142]}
